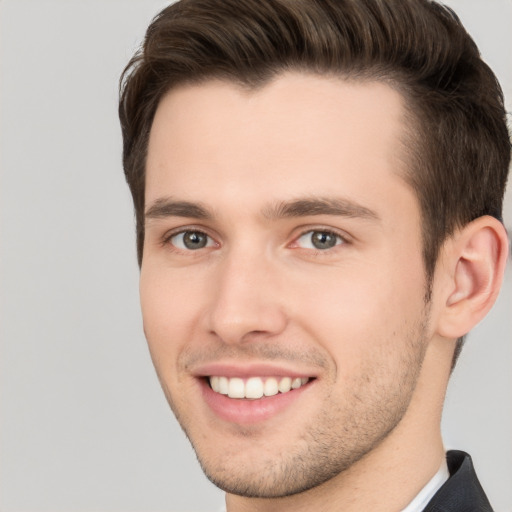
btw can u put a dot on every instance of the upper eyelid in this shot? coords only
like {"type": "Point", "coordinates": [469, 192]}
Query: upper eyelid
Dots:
{"type": "Point", "coordinates": [166, 238]}
{"type": "Point", "coordinates": [295, 244]}
{"type": "Point", "coordinates": [296, 233]}
{"type": "Point", "coordinates": [327, 229]}
{"type": "Point", "coordinates": [183, 229]}
{"type": "Point", "coordinates": [330, 231]}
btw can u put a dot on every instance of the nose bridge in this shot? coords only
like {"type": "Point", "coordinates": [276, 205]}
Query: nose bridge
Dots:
{"type": "Point", "coordinates": [245, 301]}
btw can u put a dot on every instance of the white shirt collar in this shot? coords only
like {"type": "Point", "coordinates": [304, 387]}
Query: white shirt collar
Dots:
{"type": "Point", "coordinates": [427, 493]}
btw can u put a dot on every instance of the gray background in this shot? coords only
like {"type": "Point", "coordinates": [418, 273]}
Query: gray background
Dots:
{"type": "Point", "coordinates": [84, 425]}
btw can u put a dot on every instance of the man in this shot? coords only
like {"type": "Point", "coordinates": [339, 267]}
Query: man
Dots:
{"type": "Point", "coordinates": [318, 189]}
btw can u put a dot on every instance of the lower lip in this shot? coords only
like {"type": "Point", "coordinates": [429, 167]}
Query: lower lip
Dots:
{"type": "Point", "coordinates": [247, 412]}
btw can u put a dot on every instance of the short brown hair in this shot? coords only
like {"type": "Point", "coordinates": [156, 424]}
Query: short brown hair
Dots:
{"type": "Point", "coordinates": [459, 145]}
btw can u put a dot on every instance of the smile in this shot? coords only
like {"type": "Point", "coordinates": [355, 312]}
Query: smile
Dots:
{"type": "Point", "coordinates": [255, 387]}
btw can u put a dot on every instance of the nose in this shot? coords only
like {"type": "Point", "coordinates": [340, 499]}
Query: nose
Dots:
{"type": "Point", "coordinates": [246, 302]}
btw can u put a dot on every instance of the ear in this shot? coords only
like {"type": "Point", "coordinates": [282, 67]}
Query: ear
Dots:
{"type": "Point", "coordinates": [474, 261]}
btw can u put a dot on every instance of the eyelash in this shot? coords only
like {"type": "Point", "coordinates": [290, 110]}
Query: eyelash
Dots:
{"type": "Point", "coordinates": [168, 239]}
{"type": "Point", "coordinates": [340, 240]}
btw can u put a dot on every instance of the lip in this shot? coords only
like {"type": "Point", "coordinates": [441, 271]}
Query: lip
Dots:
{"type": "Point", "coordinates": [249, 370]}
{"type": "Point", "coordinates": [247, 411]}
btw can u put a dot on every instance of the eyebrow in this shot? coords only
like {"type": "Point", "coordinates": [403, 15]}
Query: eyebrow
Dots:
{"type": "Point", "coordinates": [302, 207]}
{"type": "Point", "coordinates": [166, 207]}
{"type": "Point", "coordinates": [319, 206]}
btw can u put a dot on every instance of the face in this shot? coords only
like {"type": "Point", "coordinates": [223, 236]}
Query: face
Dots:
{"type": "Point", "coordinates": [282, 283]}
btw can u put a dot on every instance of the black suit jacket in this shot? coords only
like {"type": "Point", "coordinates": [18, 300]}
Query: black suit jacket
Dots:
{"type": "Point", "coordinates": [462, 492]}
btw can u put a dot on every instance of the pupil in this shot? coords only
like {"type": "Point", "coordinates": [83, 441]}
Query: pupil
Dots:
{"type": "Point", "coordinates": [194, 240]}
{"type": "Point", "coordinates": [323, 240]}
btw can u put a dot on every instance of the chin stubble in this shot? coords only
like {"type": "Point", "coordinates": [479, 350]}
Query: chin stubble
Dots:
{"type": "Point", "coordinates": [341, 435]}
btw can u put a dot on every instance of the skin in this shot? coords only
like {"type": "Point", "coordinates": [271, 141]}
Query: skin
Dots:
{"type": "Point", "coordinates": [364, 434]}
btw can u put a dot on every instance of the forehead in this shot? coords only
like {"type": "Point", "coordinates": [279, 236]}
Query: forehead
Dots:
{"type": "Point", "coordinates": [298, 134]}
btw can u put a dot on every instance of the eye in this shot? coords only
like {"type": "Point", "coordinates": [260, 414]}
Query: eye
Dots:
{"type": "Point", "coordinates": [319, 240]}
{"type": "Point", "coordinates": [191, 240]}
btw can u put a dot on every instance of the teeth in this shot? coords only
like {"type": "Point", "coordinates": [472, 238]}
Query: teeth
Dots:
{"type": "Point", "coordinates": [285, 384]}
{"type": "Point", "coordinates": [270, 387]}
{"type": "Point", "coordinates": [223, 385]}
{"type": "Point", "coordinates": [236, 388]}
{"type": "Point", "coordinates": [255, 387]}
{"type": "Point", "coordinates": [214, 383]}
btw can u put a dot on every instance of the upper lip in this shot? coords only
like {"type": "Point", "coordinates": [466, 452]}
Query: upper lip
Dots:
{"type": "Point", "coordinates": [227, 369]}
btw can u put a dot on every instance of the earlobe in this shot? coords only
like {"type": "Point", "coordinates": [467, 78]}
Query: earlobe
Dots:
{"type": "Point", "coordinates": [474, 270]}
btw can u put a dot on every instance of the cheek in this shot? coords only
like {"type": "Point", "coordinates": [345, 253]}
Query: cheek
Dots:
{"type": "Point", "coordinates": [363, 310]}
{"type": "Point", "coordinates": [170, 307]}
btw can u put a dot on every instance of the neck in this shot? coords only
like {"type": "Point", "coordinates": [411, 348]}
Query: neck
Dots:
{"type": "Point", "coordinates": [393, 473]}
